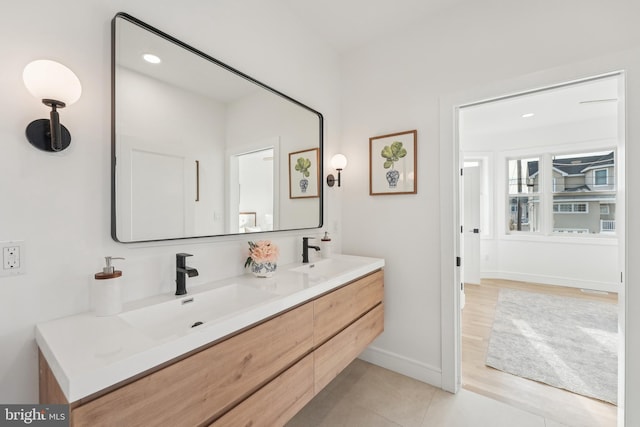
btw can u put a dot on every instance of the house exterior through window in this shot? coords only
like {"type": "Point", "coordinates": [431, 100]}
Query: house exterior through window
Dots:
{"type": "Point", "coordinates": [601, 177]}
{"type": "Point", "coordinates": [583, 193]}
{"type": "Point", "coordinates": [523, 197]}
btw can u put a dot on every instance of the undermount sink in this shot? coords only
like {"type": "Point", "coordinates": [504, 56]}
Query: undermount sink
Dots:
{"type": "Point", "coordinates": [325, 267]}
{"type": "Point", "coordinates": [194, 312]}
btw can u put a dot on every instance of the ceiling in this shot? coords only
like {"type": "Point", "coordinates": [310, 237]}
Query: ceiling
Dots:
{"type": "Point", "coordinates": [349, 24]}
{"type": "Point", "coordinates": [590, 100]}
{"type": "Point", "coordinates": [180, 66]}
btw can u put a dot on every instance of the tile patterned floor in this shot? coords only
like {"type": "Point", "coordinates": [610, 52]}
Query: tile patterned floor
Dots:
{"type": "Point", "coordinates": [365, 395]}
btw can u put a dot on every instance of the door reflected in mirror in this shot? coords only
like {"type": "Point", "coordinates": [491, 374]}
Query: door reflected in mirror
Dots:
{"type": "Point", "coordinates": [197, 145]}
{"type": "Point", "coordinates": [252, 180]}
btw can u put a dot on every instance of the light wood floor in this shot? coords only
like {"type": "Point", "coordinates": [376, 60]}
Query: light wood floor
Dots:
{"type": "Point", "coordinates": [552, 403]}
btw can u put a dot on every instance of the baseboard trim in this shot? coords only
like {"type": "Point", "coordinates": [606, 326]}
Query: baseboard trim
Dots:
{"type": "Point", "coordinates": [403, 365]}
{"type": "Point", "coordinates": [552, 280]}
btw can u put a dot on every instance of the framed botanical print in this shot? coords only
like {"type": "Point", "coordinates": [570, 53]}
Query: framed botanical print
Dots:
{"type": "Point", "coordinates": [304, 174]}
{"type": "Point", "coordinates": [393, 164]}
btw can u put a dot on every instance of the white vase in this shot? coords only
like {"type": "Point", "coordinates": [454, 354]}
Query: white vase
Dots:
{"type": "Point", "coordinates": [263, 269]}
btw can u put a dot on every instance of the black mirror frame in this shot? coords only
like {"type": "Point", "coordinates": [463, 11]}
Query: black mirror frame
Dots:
{"type": "Point", "coordinates": [195, 51]}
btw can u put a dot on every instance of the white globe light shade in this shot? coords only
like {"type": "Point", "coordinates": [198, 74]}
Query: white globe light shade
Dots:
{"type": "Point", "coordinates": [339, 161]}
{"type": "Point", "coordinates": [47, 79]}
{"type": "Point", "coordinates": [151, 58]}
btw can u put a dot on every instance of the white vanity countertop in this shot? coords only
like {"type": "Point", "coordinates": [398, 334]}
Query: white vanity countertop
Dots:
{"type": "Point", "coordinates": [88, 353]}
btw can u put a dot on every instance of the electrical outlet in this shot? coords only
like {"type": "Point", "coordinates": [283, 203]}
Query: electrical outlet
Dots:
{"type": "Point", "coordinates": [13, 257]}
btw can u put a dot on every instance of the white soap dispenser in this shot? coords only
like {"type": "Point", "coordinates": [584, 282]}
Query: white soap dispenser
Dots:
{"type": "Point", "coordinates": [107, 290]}
{"type": "Point", "coordinates": [325, 246]}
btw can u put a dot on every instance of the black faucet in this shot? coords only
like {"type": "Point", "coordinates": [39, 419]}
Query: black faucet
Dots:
{"type": "Point", "coordinates": [181, 271]}
{"type": "Point", "coordinates": [305, 249]}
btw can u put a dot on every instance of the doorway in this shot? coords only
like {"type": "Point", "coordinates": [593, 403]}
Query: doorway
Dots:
{"type": "Point", "coordinates": [547, 208]}
{"type": "Point", "coordinates": [251, 197]}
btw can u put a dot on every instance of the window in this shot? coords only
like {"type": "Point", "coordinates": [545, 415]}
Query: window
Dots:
{"type": "Point", "coordinates": [523, 200]}
{"type": "Point", "coordinates": [523, 175]}
{"type": "Point", "coordinates": [570, 208]}
{"type": "Point", "coordinates": [583, 180]}
{"type": "Point", "coordinates": [570, 193]}
{"type": "Point", "coordinates": [601, 177]}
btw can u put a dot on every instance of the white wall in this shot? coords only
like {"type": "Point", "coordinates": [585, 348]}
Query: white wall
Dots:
{"type": "Point", "coordinates": [398, 84]}
{"type": "Point", "coordinates": [60, 203]}
{"type": "Point", "coordinates": [589, 263]}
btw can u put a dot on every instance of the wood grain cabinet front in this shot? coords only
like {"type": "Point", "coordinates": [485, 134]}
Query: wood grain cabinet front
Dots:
{"type": "Point", "coordinates": [205, 385]}
{"type": "Point", "coordinates": [336, 310]}
{"type": "Point", "coordinates": [334, 355]}
{"type": "Point", "coordinates": [277, 402]}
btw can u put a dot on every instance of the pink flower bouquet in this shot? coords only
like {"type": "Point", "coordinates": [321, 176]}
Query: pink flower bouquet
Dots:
{"type": "Point", "coordinates": [262, 258]}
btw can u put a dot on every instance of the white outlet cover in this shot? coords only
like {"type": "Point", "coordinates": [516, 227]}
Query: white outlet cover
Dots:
{"type": "Point", "coordinates": [12, 252]}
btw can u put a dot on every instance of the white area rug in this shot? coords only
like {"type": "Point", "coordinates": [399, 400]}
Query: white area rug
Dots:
{"type": "Point", "coordinates": [565, 342]}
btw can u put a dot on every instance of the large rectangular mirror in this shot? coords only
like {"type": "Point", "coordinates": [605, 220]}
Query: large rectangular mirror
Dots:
{"type": "Point", "coordinates": [200, 149]}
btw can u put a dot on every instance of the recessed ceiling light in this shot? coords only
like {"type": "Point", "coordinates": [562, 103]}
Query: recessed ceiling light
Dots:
{"type": "Point", "coordinates": [527, 115]}
{"type": "Point", "coordinates": [151, 58]}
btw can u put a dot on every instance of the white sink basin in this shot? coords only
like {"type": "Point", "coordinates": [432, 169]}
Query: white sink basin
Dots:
{"type": "Point", "coordinates": [194, 312]}
{"type": "Point", "coordinates": [326, 268]}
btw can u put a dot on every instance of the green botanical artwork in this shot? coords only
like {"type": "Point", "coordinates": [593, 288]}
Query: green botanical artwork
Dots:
{"type": "Point", "coordinates": [302, 166]}
{"type": "Point", "coordinates": [393, 165]}
{"type": "Point", "coordinates": [392, 154]}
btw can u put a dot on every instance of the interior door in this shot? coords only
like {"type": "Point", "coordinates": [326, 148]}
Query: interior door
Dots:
{"type": "Point", "coordinates": [156, 190]}
{"type": "Point", "coordinates": [471, 222]}
{"type": "Point", "coordinates": [158, 195]}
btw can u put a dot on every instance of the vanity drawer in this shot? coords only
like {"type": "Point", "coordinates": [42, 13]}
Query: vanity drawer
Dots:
{"type": "Point", "coordinates": [334, 311]}
{"type": "Point", "coordinates": [203, 386]}
{"type": "Point", "coordinates": [334, 355]}
{"type": "Point", "coordinates": [277, 402]}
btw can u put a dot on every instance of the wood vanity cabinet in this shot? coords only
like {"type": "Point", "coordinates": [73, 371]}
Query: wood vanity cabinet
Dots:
{"type": "Point", "coordinates": [261, 376]}
{"type": "Point", "coordinates": [207, 384]}
{"type": "Point", "coordinates": [277, 402]}
{"type": "Point", "coordinates": [331, 358]}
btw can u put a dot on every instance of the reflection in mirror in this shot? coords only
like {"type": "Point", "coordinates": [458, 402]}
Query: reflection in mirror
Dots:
{"type": "Point", "coordinates": [252, 180]}
{"type": "Point", "coordinates": [200, 149]}
{"type": "Point", "coordinates": [254, 191]}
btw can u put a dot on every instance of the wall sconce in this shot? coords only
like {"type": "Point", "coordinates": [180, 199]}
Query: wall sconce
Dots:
{"type": "Point", "coordinates": [338, 162]}
{"type": "Point", "coordinates": [57, 86]}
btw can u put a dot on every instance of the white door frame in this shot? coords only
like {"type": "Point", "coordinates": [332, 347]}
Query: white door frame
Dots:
{"type": "Point", "coordinates": [232, 195]}
{"type": "Point", "coordinates": [450, 200]}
